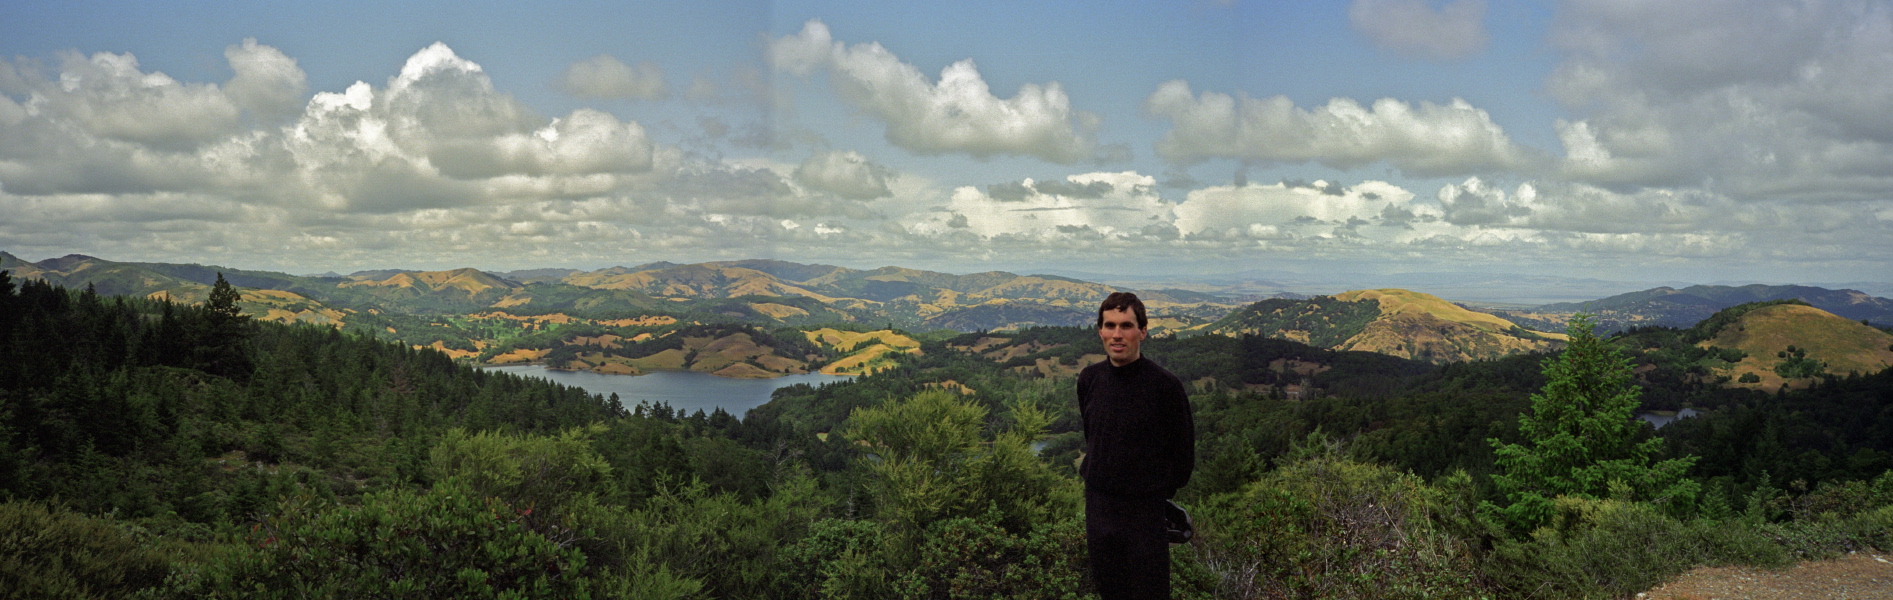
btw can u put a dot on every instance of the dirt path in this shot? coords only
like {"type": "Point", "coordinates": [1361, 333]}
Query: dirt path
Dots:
{"type": "Point", "coordinates": [1860, 576]}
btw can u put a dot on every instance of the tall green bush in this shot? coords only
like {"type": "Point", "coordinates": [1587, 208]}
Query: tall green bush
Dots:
{"type": "Point", "coordinates": [930, 462]}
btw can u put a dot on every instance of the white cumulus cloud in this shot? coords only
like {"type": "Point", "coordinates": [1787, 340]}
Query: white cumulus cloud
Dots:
{"type": "Point", "coordinates": [1265, 208]}
{"type": "Point", "coordinates": [1428, 139]}
{"type": "Point", "coordinates": [108, 96]}
{"type": "Point", "coordinates": [267, 83]}
{"type": "Point", "coordinates": [958, 113]}
{"type": "Point", "coordinates": [1088, 204]}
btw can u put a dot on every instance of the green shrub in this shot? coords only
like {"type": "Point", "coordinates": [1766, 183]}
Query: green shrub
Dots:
{"type": "Point", "coordinates": [1613, 549]}
{"type": "Point", "coordinates": [735, 548]}
{"type": "Point", "coordinates": [54, 553]}
{"type": "Point", "coordinates": [929, 461]}
{"type": "Point", "coordinates": [1845, 498]}
{"type": "Point", "coordinates": [840, 558]}
{"type": "Point", "coordinates": [530, 471]}
{"type": "Point", "coordinates": [959, 558]}
{"type": "Point", "coordinates": [968, 559]}
{"type": "Point", "coordinates": [1876, 527]}
{"type": "Point", "coordinates": [1326, 527]}
{"type": "Point", "coordinates": [446, 542]}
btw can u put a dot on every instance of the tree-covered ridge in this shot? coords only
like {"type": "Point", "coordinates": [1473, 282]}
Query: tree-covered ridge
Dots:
{"type": "Point", "coordinates": [148, 407]}
{"type": "Point", "coordinates": [1320, 321]}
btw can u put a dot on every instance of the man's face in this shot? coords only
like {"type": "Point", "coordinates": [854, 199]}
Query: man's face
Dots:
{"type": "Point", "coordinates": [1121, 336]}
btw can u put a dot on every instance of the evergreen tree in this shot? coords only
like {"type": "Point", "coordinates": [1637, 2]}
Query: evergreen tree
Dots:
{"type": "Point", "coordinates": [225, 331]}
{"type": "Point", "coordinates": [1581, 439]}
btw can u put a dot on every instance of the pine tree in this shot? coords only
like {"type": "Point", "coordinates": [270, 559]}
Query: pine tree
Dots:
{"type": "Point", "coordinates": [1581, 439]}
{"type": "Point", "coordinates": [222, 342]}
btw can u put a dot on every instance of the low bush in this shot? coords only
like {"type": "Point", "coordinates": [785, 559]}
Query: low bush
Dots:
{"type": "Point", "coordinates": [968, 559]}
{"type": "Point", "coordinates": [1327, 527]}
{"type": "Point", "coordinates": [54, 553]}
{"type": "Point", "coordinates": [1613, 549]}
{"type": "Point", "coordinates": [445, 542]}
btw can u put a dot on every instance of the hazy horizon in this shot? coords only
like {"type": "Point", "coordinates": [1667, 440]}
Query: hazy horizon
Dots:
{"type": "Point", "coordinates": [1495, 288]}
{"type": "Point", "coordinates": [1629, 144]}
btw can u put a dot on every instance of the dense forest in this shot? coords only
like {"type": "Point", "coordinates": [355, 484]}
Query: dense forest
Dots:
{"type": "Point", "coordinates": [161, 450]}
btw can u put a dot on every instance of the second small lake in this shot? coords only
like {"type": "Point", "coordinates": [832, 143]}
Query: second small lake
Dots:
{"type": "Point", "coordinates": [686, 391]}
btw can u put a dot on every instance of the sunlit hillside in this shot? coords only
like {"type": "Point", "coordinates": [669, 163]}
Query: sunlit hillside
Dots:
{"type": "Point", "coordinates": [1396, 322]}
{"type": "Point", "coordinates": [1790, 343]}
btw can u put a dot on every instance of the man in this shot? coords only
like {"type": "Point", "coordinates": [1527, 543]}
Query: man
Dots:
{"type": "Point", "coordinates": [1140, 447]}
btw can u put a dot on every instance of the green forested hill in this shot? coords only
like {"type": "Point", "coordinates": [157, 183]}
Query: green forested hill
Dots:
{"type": "Point", "coordinates": [134, 405]}
{"type": "Point", "coordinates": [1321, 321]}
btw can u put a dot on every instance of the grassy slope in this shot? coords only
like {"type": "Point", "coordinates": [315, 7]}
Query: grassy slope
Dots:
{"type": "Point", "coordinates": [1844, 344]}
{"type": "Point", "coordinates": [1424, 327]}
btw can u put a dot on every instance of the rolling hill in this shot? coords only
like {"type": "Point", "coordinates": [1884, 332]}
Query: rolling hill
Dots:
{"type": "Point", "coordinates": [1791, 343]}
{"type": "Point", "coordinates": [905, 297]}
{"type": "Point", "coordinates": [468, 312]}
{"type": "Point", "coordinates": [1395, 322]}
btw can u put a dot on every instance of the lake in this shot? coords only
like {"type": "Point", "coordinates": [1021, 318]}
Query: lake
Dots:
{"type": "Point", "coordinates": [686, 391]}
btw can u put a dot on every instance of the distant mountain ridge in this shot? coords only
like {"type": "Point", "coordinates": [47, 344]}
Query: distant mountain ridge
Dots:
{"type": "Point", "coordinates": [1674, 307]}
{"type": "Point", "coordinates": [974, 301]}
{"type": "Point", "coordinates": [910, 298]}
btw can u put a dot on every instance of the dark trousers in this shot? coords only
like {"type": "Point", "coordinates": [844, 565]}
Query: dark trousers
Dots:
{"type": "Point", "coordinates": [1130, 554]}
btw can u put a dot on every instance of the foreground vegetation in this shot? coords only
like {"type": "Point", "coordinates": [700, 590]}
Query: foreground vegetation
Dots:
{"type": "Point", "coordinates": [164, 451]}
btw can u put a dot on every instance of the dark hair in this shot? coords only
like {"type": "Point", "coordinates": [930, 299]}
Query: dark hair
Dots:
{"type": "Point", "coordinates": [1121, 301]}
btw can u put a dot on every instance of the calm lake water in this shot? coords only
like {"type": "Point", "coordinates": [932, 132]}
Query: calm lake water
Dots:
{"type": "Point", "coordinates": [686, 391]}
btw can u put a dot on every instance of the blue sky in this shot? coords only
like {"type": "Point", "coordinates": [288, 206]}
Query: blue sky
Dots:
{"type": "Point", "coordinates": [1728, 141]}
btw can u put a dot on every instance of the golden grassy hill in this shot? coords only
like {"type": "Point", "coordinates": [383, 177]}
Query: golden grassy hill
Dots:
{"type": "Point", "coordinates": [863, 352]}
{"type": "Point", "coordinates": [1845, 345]}
{"type": "Point", "coordinates": [289, 307]}
{"type": "Point", "coordinates": [1421, 326]}
{"type": "Point", "coordinates": [471, 281]}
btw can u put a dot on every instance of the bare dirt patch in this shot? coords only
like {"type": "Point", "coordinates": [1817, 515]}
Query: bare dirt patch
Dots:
{"type": "Point", "coordinates": [1854, 577]}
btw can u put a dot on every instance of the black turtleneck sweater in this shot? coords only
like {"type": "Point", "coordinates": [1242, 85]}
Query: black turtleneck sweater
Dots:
{"type": "Point", "coordinates": [1140, 438]}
